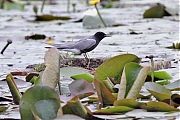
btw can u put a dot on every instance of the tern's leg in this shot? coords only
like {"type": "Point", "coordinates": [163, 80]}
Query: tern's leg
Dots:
{"type": "Point", "coordinates": [87, 57]}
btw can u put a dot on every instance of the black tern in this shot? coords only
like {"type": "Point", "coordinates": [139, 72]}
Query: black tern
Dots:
{"type": "Point", "coordinates": [84, 45]}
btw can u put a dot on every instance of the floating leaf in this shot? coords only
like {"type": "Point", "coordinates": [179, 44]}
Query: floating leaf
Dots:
{"type": "Point", "coordinates": [51, 17]}
{"type": "Point", "coordinates": [69, 117]}
{"type": "Point", "coordinates": [112, 110]}
{"type": "Point", "coordinates": [10, 5]}
{"type": "Point", "coordinates": [13, 88]}
{"type": "Point", "coordinates": [3, 107]}
{"type": "Point", "coordinates": [29, 77]}
{"type": "Point", "coordinates": [34, 95]}
{"type": "Point", "coordinates": [158, 91]}
{"type": "Point", "coordinates": [95, 22]}
{"type": "Point", "coordinates": [51, 73]}
{"type": "Point", "coordinates": [174, 85]}
{"type": "Point", "coordinates": [162, 82]}
{"type": "Point", "coordinates": [85, 76]}
{"type": "Point", "coordinates": [46, 109]}
{"type": "Point", "coordinates": [80, 87]}
{"type": "Point", "coordinates": [113, 67]}
{"type": "Point", "coordinates": [104, 95]}
{"type": "Point", "coordinates": [109, 85]}
{"type": "Point", "coordinates": [161, 75]}
{"type": "Point", "coordinates": [128, 102]}
{"type": "Point", "coordinates": [157, 11]}
{"type": "Point", "coordinates": [67, 72]}
{"type": "Point", "coordinates": [19, 83]}
{"type": "Point", "coordinates": [74, 106]}
{"type": "Point", "coordinates": [142, 114]}
{"type": "Point", "coordinates": [36, 37]}
{"type": "Point", "coordinates": [144, 95]}
{"type": "Point", "coordinates": [21, 73]}
{"type": "Point", "coordinates": [132, 80]}
{"type": "Point", "coordinates": [159, 107]}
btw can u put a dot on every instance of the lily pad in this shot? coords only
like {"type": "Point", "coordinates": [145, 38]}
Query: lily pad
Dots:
{"type": "Point", "coordinates": [46, 109]}
{"type": "Point", "coordinates": [158, 91]}
{"type": "Point", "coordinates": [104, 95]}
{"type": "Point", "coordinates": [113, 67]}
{"type": "Point", "coordinates": [67, 72]}
{"type": "Point", "coordinates": [159, 107]}
{"type": "Point", "coordinates": [128, 102]}
{"type": "Point", "coordinates": [68, 117]}
{"type": "Point", "coordinates": [3, 107]}
{"type": "Point", "coordinates": [74, 106]}
{"type": "Point", "coordinates": [85, 76]}
{"type": "Point", "coordinates": [112, 110]}
{"type": "Point", "coordinates": [157, 11]}
{"type": "Point", "coordinates": [80, 87]}
{"type": "Point", "coordinates": [51, 74]}
{"type": "Point", "coordinates": [51, 17]}
{"type": "Point", "coordinates": [161, 75]}
{"type": "Point", "coordinates": [11, 5]}
{"type": "Point", "coordinates": [174, 85]}
{"type": "Point", "coordinates": [95, 22]}
{"type": "Point", "coordinates": [132, 80]}
{"type": "Point", "coordinates": [13, 88]}
{"type": "Point", "coordinates": [32, 96]}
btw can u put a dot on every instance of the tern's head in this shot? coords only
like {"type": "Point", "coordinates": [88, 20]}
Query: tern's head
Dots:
{"type": "Point", "coordinates": [101, 35]}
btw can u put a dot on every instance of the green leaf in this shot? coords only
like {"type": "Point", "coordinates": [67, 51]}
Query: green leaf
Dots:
{"type": "Point", "coordinates": [85, 76]}
{"type": "Point", "coordinates": [50, 17]}
{"type": "Point", "coordinates": [68, 117]}
{"type": "Point", "coordinates": [129, 103]}
{"type": "Point", "coordinates": [144, 95]}
{"type": "Point", "coordinates": [3, 107]}
{"type": "Point", "coordinates": [161, 75]}
{"type": "Point", "coordinates": [115, 109]}
{"type": "Point", "coordinates": [34, 95]}
{"type": "Point", "coordinates": [95, 22]}
{"type": "Point", "coordinates": [109, 85]}
{"type": "Point", "coordinates": [158, 91]}
{"type": "Point", "coordinates": [104, 95]}
{"type": "Point", "coordinates": [13, 5]}
{"type": "Point", "coordinates": [155, 12]}
{"type": "Point", "coordinates": [132, 80]}
{"type": "Point", "coordinates": [46, 109]}
{"type": "Point", "coordinates": [80, 87]}
{"type": "Point", "coordinates": [13, 88]}
{"type": "Point", "coordinates": [74, 106]}
{"type": "Point", "coordinates": [67, 72]}
{"type": "Point", "coordinates": [159, 107]}
{"type": "Point", "coordinates": [162, 82]}
{"type": "Point", "coordinates": [174, 85]}
{"type": "Point", "coordinates": [113, 67]}
{"type": "Point", "coordinates": [51, 74]}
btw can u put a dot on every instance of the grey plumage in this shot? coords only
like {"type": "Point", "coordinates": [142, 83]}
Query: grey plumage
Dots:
{"type": "Point", "coordinates": [84, 45]}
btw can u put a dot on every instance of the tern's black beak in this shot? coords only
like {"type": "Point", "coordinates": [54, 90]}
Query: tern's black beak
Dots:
{"type": "Point", "coordinates": [107, 35]}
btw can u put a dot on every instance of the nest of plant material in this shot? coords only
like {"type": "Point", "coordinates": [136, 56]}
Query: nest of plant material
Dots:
{"type": "Point", "coordinates": [82, 62]}
{"type": "Point", "coordinates": [96, 62]}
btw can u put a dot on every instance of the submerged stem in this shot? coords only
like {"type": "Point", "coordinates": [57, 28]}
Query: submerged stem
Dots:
{"type": "Point", "coordinates": [152, 70]}
{"type": "Point", "coordinates": [42, 7]}
{"type": "Point", "coordinates": [152, 66]}
{"type": "Point", "coordinates": [100, 16]}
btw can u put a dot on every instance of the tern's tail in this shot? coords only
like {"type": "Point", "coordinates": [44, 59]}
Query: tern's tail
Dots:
{"type": "Point", "coordinates": [59, 46]}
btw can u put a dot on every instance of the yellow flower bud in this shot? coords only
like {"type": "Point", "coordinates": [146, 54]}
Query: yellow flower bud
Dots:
{"type": "Point", "coordinates": [93, 2]}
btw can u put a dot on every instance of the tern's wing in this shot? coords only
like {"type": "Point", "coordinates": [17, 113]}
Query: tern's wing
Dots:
{"type": "Point", "coordinates": [84, 44]}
